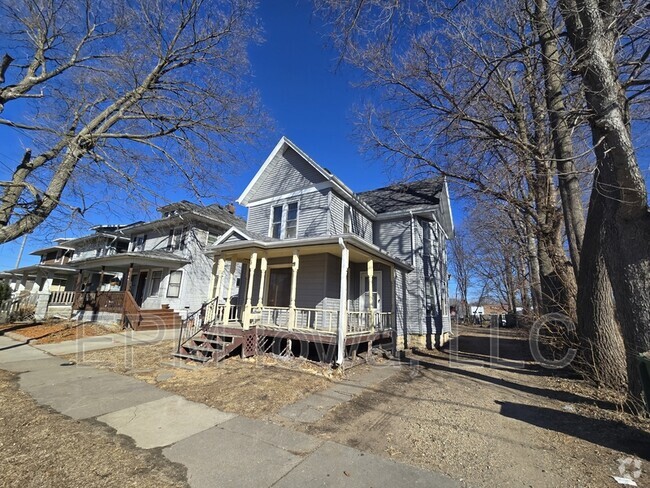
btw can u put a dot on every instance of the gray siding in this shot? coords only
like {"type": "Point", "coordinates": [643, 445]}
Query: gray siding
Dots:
{"type": "Point", "coordinates": [286, 173]}
{"type": "Point", "coordinates": [394, 237]}
{"type": "Point", "coordinates": [361, 225]}
{"type": "Point", "coordinates": [312, 215]}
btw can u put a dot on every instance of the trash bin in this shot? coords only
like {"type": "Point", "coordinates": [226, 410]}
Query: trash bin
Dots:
{"type": "Point", "coordinates": [644, 370]}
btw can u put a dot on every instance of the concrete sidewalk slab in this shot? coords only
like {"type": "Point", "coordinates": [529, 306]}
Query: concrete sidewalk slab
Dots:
{"type": "Point", "coordinates": [150, 336]}
{"type": "Point", "coordinates": [11, 351]}
{"type": "Point", "coordinates": [341, 466]}
{"type": "Point", "coordinates": [165, 421]}
{"type": "Point", "coordinates": [314, 407]}
{"type": "Point", "coordinates": [58, 374]}
{"type": "Point", "coordinates": [44, 363]}
{"type": "Point", "coordinates": [217, 457]}
{"type": "Point", "coordinates": [287, 439]}
{"type": "Point", "coordinates": [93, 396]}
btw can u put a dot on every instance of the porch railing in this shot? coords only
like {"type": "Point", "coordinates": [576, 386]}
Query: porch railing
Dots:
{"type": "Point", "coordinates": [62, 298]}
{"type": "Point", "coordinates": [99, 301]}
{"type": "Point", "coordinates": [324, 321]}
{"type": "Point", "coordinates": [210, 313]}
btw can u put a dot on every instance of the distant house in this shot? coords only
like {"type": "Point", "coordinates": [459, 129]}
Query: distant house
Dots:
{"type": "Point", "coordinates": [326, 266]}
{"type": "Point", "coordinates": [161, 264]}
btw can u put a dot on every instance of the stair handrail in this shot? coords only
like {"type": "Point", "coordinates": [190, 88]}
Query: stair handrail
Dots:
{"type": "Point", "coordinates": [130, 309]}
{"type": "Point", "coordinates": [195, 319]}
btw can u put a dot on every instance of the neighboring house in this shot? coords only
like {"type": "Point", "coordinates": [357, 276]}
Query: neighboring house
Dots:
{"type": "Point", "coordinates": [156, 271]}
{"type": "Point", "coordinates": [35, 285]}
{"type": "Point", "coordinates": [327, 266]}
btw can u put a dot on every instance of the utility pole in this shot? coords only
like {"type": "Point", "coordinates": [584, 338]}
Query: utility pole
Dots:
{"type": "Point", "coordinates": [20, 252]}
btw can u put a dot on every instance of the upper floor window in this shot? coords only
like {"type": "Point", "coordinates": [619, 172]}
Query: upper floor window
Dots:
{"type": "Point", "coordinates": [284, 221]}
{"type": "Point", "coordinates": [176, 239]}
{"type": "Point", "coordinates": [139, 242]}
{"type": "Point", "coordinates": [347, 220]}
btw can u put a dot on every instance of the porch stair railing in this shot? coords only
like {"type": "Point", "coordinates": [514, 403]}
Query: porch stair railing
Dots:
{"type": "Point", "coordinates": [131, 316]}
{"type": "Point", "coordinates": [203, 336]}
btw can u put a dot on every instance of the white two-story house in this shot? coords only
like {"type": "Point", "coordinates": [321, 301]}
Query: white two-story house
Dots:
{"type": "Point", "coordinates": [323, 265]}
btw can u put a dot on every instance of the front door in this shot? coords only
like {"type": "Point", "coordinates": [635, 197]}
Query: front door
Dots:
{"type": "Point", "coordinates": [279, 292]}
{"type": "Point", "coordinates": [364, 296]}
{"type": "Point", "coordinates": [139, 291]}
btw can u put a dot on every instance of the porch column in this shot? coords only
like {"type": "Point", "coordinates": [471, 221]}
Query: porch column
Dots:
{"type": "Point", "coordinates": [101, 278]}
{"type": "Point", "coordinates": [292, 298]}
{"type": "Point", "coordinates": [216, 291]}
{"type": "Point", "coordinates": [23, 283]}
{"type": "Point", "coordinates": [371, 297]}
{"type": "Point", "coordinates": [77, 285]}
{"type": "Point", "coordinates": [260, 295]}
{"type": "Point", "coordinates": [343, 304]}
{"type": "Point", "coordinates": [129, 278]}
{"type": "Point", "coordinates": [393, 310]}
{"type": "Point", "coordinates": [226, 310]}
{"type": "Point", "coordinates": [246, 317]}
{"type": "Point", "coordinates": [36, 287]}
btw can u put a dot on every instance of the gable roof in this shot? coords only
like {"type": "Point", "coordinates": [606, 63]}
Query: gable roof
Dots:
{"type": "Point", "coordinates": [404, 196]}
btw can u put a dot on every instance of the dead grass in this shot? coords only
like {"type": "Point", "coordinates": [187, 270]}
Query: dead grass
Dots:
{"type": "Point", "coordinates": [40, 448]}
{"type": "Point", "coordinates": [256, 387]}
{"type": "Point", "coordinates": [55, 332]}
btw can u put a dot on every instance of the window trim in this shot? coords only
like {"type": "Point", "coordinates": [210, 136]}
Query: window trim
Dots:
{"type": "Point", "coordinates": [151, 281]}
{"type": "Point", "coordinates": [347, 212]}
{"type": "Point", "coordinates": [283, 219]}
{"type": "Point", "coordinates": [169, 283]}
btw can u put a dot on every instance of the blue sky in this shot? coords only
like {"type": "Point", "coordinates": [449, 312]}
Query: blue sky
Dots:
{"type": "Point", "coordinates": [310, 100]}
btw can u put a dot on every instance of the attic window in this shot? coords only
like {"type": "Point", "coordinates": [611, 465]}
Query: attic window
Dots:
{"type": "Point", "coordinates": [284, 221]}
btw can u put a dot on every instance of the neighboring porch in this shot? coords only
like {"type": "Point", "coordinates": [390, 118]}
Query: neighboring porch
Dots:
{"type": "Point", "coordinates": [335, 292]}
{"type": "Point", "coordinates": [133, 290]}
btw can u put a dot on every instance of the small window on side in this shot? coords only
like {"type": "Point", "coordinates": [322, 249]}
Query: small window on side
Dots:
{"type": "Point", "coordinates": [174, 286]}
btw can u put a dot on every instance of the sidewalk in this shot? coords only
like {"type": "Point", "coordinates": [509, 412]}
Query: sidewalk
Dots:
{"type": "Point", "coordinates": [218, 448]}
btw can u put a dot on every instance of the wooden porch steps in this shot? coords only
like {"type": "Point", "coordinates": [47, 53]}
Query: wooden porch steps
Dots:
{"type": "Point", "coordinates": [163, 318]}
{"type": "Point", "coordinates": [209, 345]}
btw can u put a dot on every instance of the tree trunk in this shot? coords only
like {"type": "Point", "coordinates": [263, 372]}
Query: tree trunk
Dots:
{"type": "Point", "coordinates": [602, 345]}
{"type": "Point", "coordinates": [625, 219]}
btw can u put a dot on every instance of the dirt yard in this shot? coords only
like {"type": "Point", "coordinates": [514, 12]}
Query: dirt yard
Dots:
{"type": "Point", "coordinates": [54, 332]}
{"type": "Point", "coordinates": [255, 387]}
{"type": "Point", "coordinates": [493, 426]}
{"type": "Point", "coordinates": [506, 424]}
{"type": "Point", "coordinates": [40, 448]}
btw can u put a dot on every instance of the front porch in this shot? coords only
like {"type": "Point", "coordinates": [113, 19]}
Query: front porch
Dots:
{"type": "Point", "coordinates": [334, 292]}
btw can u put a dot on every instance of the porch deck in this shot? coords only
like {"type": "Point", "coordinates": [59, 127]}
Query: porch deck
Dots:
{"type": "Point", "coordinates": [273, 325]}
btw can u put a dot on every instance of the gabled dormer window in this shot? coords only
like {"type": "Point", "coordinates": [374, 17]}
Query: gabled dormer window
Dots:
{"type": "Point", "coordinates": [284, 221]}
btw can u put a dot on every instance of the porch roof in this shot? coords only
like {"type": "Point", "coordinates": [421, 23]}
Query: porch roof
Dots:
{"type": "Point", "coordinates": [35, 268]}
{"type": "Point", "coordinates": [141, 258]}
{"type": "Point", "coordinates": [360, 250]}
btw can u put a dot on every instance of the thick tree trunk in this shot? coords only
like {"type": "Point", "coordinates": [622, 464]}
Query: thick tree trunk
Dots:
{"type": "Point", "coordinates": [591, 29]}
{"type": "Point", "coordinates": [603, 351]}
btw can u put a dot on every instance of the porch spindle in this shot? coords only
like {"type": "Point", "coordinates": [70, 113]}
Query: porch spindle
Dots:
{"type": "Point", "coordinates": [246, 319]}
{"type": "Point", "coordinates": [226, 311]}
{"type": "Point", "coordinates": [292, 299]}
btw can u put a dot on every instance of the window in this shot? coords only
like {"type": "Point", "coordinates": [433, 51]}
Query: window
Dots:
{"type": "Point", "coordinates": [284, 221]}
{"type": "Point", "coordinates": [174, 286]}
{"type": "Point", "coordinates": [176, 239]}
{"type": "Point", "coordinates": [276, 223]}
{"type": "Point", "coordinates": [139, 241]}
{"type": "Point", "coordinates": [292, 221]}
{"type": "Point", "coordinates": [347, 220]}
{"type": "Point", "coordinates": [156, 277]}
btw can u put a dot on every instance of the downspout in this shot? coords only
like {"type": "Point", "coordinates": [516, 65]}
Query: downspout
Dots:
{"type": "Point", "coordinates": [343, 298]}
{"type": "Point", "coordinates": [412, 240]}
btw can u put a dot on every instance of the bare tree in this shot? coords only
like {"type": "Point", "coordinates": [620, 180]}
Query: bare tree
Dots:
{"type": "Point", "coordinates": [461, 265]}
{"type": "Point", "coordinates": [124, 95]}
{"type": "Point", "coordinates": [619, 202]}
